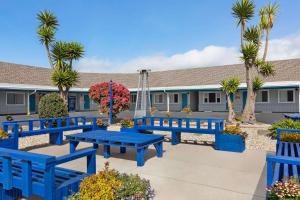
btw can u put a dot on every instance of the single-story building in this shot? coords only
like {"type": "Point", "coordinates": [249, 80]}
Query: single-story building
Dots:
{"type": "Point", "coordinates": [22, 86]}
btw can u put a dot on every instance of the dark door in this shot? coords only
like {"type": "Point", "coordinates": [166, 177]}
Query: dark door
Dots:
{"type": "Point", "coordinates": [244, 98]}
{"type": "Point", "coordinates": [32, 103]}
{"type": "Point", "coordinates": [184, 102]}
{"type": "Point", "coordinates": [86, 102]}
{"type": "Point", "coordinates": [72, 103]}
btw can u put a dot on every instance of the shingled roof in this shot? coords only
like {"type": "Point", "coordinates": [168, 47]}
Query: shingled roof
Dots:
{"type": "Point", "coordinates": [286, 70]}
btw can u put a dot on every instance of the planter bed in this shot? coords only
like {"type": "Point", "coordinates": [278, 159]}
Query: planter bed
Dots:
{"type": "Point", "coordinates": [230, 142]}
{"type": "Point", "coordinates": [9, 143]}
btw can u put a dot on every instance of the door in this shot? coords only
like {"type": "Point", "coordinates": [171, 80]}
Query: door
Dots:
{"type": "Point", "coordinates": [32, 103]}
{"type": "Point", "coordinates": [184, 97]}
{"type": "Point", "coordinates": [244, 98]}
{"type": "Point", "coordinates": [86, 104]}
{"type": "Point", "coordinates": [72, 103]}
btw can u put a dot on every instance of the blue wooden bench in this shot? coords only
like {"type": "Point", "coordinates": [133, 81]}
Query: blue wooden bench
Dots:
{"type": "Point", "coordinates": [124, 140]}
{"type": "Point", "coordinates": [177, 125]}
{"type": "Point", "coordinates": [52, 126]}
{"type": "Point", "coordinates": [286, 162]}
{"type": "Point", "coordinates": [23, 174]}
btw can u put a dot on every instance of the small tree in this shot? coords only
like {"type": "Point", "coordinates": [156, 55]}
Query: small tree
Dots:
{"type": "Point", "coordinates": [52, 106]}
{"type": "Point", "coordinates": [230, 87]}
{"type": "Point", "coordinates": [100, 94]}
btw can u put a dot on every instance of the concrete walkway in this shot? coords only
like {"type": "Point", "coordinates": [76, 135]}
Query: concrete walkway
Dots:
{"type": "Point", "coordinates": [187, 171]}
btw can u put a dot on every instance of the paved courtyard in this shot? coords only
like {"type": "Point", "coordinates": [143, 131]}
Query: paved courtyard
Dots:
{"type": "Point", "coordinates": [187, 171]}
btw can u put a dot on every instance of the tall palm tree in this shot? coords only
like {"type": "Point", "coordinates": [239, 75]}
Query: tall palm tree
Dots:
{"type": "Point", "coordinates": [230, 87]}
{"type": "Point", "coordinates": [243, 11]}
{"type": "Point", "coordinates": [267, 15]}
{"type": "Point", "coordinates": [48, 24]}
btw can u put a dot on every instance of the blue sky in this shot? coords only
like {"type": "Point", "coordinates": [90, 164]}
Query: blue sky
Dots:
{"type": "Point", "coordinates": [129, 34]}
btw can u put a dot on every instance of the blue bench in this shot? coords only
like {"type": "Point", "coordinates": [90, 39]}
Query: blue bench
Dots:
{"type": "Point", "coordinates": [23, 174]}
{"type": "Point", "coordinates": [124, 140]}
{"type": "Point", "coordinates": [286, 162]}
{"type": "Point", "coordinates": [177, 125]}
{"type": "Point", "coordinates": [52, 126]}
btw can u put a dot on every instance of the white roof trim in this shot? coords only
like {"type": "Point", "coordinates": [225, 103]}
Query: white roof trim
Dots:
{"type": "Point", "coordinates": [10, 86]}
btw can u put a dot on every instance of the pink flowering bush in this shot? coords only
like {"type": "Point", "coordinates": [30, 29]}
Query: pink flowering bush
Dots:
{"type": "Point", "coordinates": [286, 190]}
{"type": "Point", "coordinates": [99, 93]}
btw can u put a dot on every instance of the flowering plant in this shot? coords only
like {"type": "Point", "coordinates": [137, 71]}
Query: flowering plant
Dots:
{"type": "Point", "coordinates": [100, 94]}
{"type": "Point", "coordinates": [285, 190]}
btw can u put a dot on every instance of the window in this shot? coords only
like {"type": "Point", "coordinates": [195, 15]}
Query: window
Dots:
{"type": "Point", "coordinates": [286, 96]}
{"type": "Point", "coordinates": [15, 98]}
{"type": "Point", "coordinates": [212, 97]}
{"type": "Point", "coordinates": [133, 98]}
{"type": "Point", "coordinates": [158, 98]}
{"type": "Point", "coordinates": [262, 96]}
{"type": "Point", "coordinates": [174, 98]}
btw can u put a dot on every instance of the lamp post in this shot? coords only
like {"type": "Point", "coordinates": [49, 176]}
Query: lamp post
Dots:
{"type": "Point", "coordinates": [110, 102]}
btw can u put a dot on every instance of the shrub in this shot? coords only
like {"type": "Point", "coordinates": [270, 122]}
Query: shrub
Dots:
{"type": "Point", "coordinates": [234, 130]}
{"type": "Point", "coordinates": [127, 123]}
{"type": "Point", "coordinates": [101, 123]}
{"type": "Point", "coordinates": [52, 106]}
{"type": "Point", "coordinates": [285, 123]}
{"type": "Point", "coordinates": [290, 137]}
{"type": "Point", "coordinates": [287, 190]}
{"type": "Point", "coordinates": [187, 110]}
{"type": "Point", "coordinates": [134, 187]}
{"type": "Point", "coordinates": [3, 134]}
{"type": "Point", "coordinates": [9, 118]}
{"type": "Point", "coordinates": [102, 185]}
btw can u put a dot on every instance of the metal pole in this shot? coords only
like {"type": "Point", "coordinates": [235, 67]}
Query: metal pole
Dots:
{"type": "Point", "coordinates": [110, 102]}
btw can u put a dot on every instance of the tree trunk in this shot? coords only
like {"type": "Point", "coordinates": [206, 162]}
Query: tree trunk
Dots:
{"type": "Point", "coordinates": [231, 114]}
{"type": "Point", "coordinates": [243, 24]}
{"type": "Point", "coordinates": [49, 55]}
{"type": "Point", "coordinates": [248, 115]}
{"type": "Point", "coordinates": [266, 44]}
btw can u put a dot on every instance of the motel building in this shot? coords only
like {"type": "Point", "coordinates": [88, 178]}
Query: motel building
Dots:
{"type": "Point", "coordinates": [22, 86]}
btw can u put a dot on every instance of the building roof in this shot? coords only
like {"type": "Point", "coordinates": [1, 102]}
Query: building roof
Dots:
{"type": "Point", "coordinates": [16, 74]}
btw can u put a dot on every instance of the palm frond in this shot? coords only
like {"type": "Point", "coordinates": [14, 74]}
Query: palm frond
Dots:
{"type": "Point", "coordinates": [249, 53]}
{"type": "Point", "coordinates": [243, 10]}
{"type": "Point", "coordinates": [47, 19]}
{"type": "Point", "coordinates": [257, 83]}
{"type": "Point", "coordinates": [74, 50]}
{"type": "Point", "coordinates": [230, 86]}
{"type": "Point", "coordinates": [253, 34]}
{"type": "Point", "coordinates": [265, 68]}
{"type": "Point", "coordinates": [59, 51]}
{"type": "Point", "coordinates": [46, 35]}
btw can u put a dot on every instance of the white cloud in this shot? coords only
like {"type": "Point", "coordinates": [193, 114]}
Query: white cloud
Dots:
{"type": "Point", "coordinates": [282, 48]}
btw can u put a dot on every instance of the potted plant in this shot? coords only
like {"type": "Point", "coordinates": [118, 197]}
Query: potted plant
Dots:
{"type": "Point", "coordinates": [127, 125]}
{"type": "Point", "coordinates": [6, 140]}
{"type": "Point", "coordinates": [101, 124]}
{"type": "Point", "coordinates": [231, 139]}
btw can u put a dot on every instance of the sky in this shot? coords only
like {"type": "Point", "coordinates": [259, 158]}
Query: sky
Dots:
{"type": "Point", "coordinates": [126, 35]}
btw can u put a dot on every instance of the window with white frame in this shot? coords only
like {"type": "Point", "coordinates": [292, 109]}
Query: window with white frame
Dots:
{"type": "Point", "coordinates": [286, 96]}
{"type": "Point", "coordinates": [262, 96]}
{"type": "Point", "coordinates": [14, 98]}
{"type": "Point", "coordinates": [158, 98]}
{"type": "Point", "coordinates": [174, 98]}
{"type": "Point", "coordinates": [133, 98]}
{"type": "Point", "coordinates": [212, 97]}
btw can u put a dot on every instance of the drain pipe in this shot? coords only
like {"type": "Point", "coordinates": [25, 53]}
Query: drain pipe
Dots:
{"type": "Point", "coordinates": [28, 101]}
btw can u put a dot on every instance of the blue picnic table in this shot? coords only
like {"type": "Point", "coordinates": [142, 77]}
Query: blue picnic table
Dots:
{"type": "Point", "coordinates": [292, 116]}
{"type": "Point", "coordinates": [124, 140]}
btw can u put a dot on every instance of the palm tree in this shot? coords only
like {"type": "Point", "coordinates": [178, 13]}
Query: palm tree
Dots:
{"type": "Point", "coordinates": [230, 87]}
{"type": "Point", "coordinates": [243, 11]}
{"type": "Point", "coordinates": [267, 15]}
{"type": "Point", "coordinates": [48, 24]}
{"type": "Point", "coordinates": [64, 76]}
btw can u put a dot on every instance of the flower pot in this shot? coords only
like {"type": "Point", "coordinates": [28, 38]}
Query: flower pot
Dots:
{"type": "Point", "coordinates": [230, 142]}
{"type": "Point", "coordinates": [9, 143]}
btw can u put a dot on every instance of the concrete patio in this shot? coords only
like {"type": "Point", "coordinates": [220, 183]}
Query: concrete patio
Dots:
{"type": "Point", "coordinates": [187, 171]}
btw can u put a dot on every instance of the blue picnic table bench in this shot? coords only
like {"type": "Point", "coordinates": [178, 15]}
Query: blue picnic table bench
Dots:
{"type": "Point", "coordinates": [286, 162]}
{"type": "Point", "coordinates": [177, 125]}
{"type": "Point", "coordinates": [52, 126]}
{"type": "Point", "coordinates": [23, 174]}
{"type": "Point", "coordinates": [123, 140]}
{"type": "Point", "coordinates": [292, 116]}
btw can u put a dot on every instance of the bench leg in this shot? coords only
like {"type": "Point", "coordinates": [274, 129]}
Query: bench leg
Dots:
{"type": "Point", "coordinates": [91, 164]}
{"type": "Point", "coordinates": [10, 194]}
{"type": "Point", "coordinates": [140, 154]}
{"type": "Point", "coordinates": [122, 149]}
{"type": "Point", "coordinates": [56, 138]}
{"type": "Point", "coordinates": [73, 145]}
{"type": "Point", "coordinates": [95, 146]}
{"type": "Point", "coordinates": [176, 137]}
{"type": "Point", "coordinates": [106, 151]}
{"type": "Point", "coordinates": [159, 149]}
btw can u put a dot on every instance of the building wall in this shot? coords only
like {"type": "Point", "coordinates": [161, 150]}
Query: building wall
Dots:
{"type": "Point", "coordinates": [219, 107]}
{"type": "Point", "coordinates": [12, 109]}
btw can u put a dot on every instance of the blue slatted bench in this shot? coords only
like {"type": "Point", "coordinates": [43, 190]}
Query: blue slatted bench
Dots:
{"type": "Point", "coordinates": [46, 126]}
{"type": "Point", "coordinates": [124, 140]}
{"type": "Point", "coordinates": [286, 162]}
{"type": "Point", "coordinates": [177, 125]}
{"type": "Point", "coordinates": [23, 174]}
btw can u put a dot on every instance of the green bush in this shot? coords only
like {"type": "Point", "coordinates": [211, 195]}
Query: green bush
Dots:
{"type": "Point", "coordinates": [127, 123]}
{"type": "Point", "coordinates": [9, 118]}
{"type": "Point", "coordinates": [285, 123]}
{"type": "Point", "coordinates": [52, 106]}
{"type": "Point", "coordinates": [235, 130]}
{"type": "Point", "coordinates": [290, 137]}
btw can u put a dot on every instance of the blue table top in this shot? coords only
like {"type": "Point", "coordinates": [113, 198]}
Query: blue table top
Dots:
{"type": "Point", "coordinates": [115, 136]}
{"type": "Point", "coordinates": [292, 116]}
